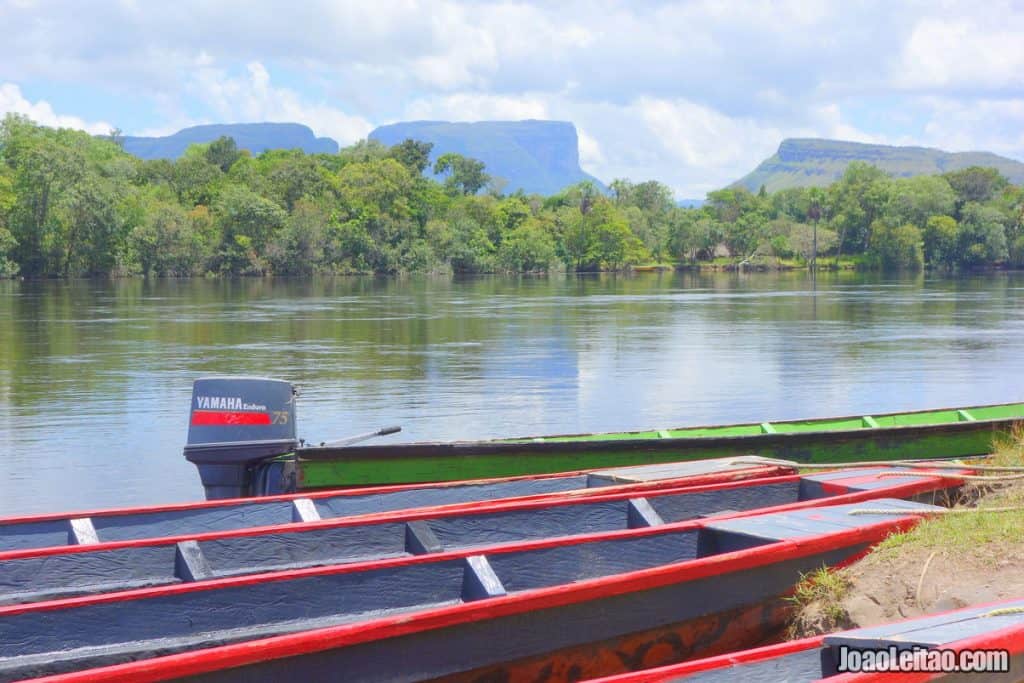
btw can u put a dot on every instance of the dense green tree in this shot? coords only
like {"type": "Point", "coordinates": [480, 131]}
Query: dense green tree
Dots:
{"type": "Point", "coordinates": [528, 247]}
{"type": "Point", "coordinates": [300, 247]}
{"type": "Point", "coordinates": [940, 241]}
{"type": "Point", "coordinates": [292, 176]}
{"type": "Point", "coordinates": [222, 153]}
{"type": "Point", "coordinates": [794, 203]}
{"type": "Point", "coordinates": [363, 152]}
{"type": "Point", "coordinates": [413, 154]}
{"type": "Point", "coordinates": [247, 222]}
{"type": "Point", "coordinates": [196, 180]}
{"type": "Point", "coordinates": [8, 199]}
{"type": "Point", "coordinates": [377, 219]}
{"type": "Point", "coordinates": [167, 243]}
{"type": "Point", "coordinates": [896, 247]}
{"type": "Point", "coordinates": [463, 243]}
{"type": "Point", "coordinates": [915, 200]}
{"type": "Point", "coordinates": [90, 229]}
{"type": "Point", "coordinates": [601, 238]}
{"type": "Point", "coordinates": [854, 203]}
{"type": "Point", "coordinates": [462, 175]}
{"type": "Point", "coordinates": [975, 184]}
{"type": "Point", "coordinates": [72, 204]}
{"type": "Point", "coordinates": [44, 165]}
{"type": "Point", "coordinates": [648, 207]}
{"type": "Point", "coordinates": [982, 237]}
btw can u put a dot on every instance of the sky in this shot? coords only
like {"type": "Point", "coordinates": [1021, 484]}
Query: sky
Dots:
{"type": "Point", "coordinates": [694, 94]}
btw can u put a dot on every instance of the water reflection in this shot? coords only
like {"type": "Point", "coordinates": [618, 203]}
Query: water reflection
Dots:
{"type": "Point", "coordinates": [95, 377]}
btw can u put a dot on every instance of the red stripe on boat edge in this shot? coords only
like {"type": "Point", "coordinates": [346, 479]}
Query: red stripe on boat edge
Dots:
{"type": "Point", "coordinates": [556, 499]}
{"type": "Point", "coordinates": [223, 418]}
{"type": "Point", "coordinates": [597, 495]}
{"type": "Point", "coordinates": [740, 474]}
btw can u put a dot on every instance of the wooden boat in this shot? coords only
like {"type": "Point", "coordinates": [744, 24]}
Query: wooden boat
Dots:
{"type": "Point", "coordinates": [192, 520]}
{"type": "Point", "coordinates": [254, 451]}
{"type": "Point", "coordinates": [610, 597]}
{"type": "Point", "coordinates": [37, 574]}
{"type": "Point", "coordinates": [992, 628]}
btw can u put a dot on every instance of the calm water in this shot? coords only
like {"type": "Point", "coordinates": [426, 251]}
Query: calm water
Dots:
{"type": "Point", "coordinates": [95, 378]}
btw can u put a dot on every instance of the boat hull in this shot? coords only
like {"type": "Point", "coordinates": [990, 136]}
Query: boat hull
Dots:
{"type": "Point", "coordinates": [34, 575]}
{"type": "Point", "coordinates": [426, 617]}
{"type": "Point", "coordinates": [997, 629]}
{"type": "Point", "coordinates": [541, 638]}
{"type": "Point", "coordinates": [703, 636]}
{"type": "Point", "coordinates": [372, 465]}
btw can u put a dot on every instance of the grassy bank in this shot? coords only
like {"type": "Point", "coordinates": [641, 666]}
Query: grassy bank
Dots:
{"type": "Point", "coordinates": [946, 562]}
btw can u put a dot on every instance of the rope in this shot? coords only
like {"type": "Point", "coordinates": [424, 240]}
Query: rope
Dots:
{"type": "Point", "coordinates": [1003, 611]}
{"type": "Point", "coordinates": [918, 464]}
{"type": "Point", "coordinates": [965, 477]}
{"type": "Point", "coordinates": [941, 511]}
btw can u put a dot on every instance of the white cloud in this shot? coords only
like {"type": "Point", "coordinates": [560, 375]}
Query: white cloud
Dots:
{"type": "Point", "coordinates": [981, 125]}
{"type": "Point", "coordinates": [961, 52]}
{"type": "Point", "coordinates": [40, 111]}
{"type": "Point", "coordinates": [590, 149]}
{"type": "Point", "coordinates": [254, 98]}
{"type": "Point", "coordinates": [477, 107]}
{"type": "Point", "coordinates": [693, 93]}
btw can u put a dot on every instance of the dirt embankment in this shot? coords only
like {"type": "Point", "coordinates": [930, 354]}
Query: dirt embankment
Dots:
{"type": "Point", "coordinates": [947, 562]}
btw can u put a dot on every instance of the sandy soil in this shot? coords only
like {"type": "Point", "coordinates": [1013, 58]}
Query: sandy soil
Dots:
{"type": "Point", "coordinates": [911, 581]}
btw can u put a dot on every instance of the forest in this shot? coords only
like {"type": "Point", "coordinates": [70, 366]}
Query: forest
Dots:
{"type": "Point", "coordinates": [75, 205]}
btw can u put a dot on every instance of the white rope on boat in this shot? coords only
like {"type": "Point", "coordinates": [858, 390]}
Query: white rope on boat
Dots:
{"type": "Point", "coordinates": [942, 511]}
{"type": "Point", "coordinates": [965, 477]}
{"type": "Point", "coordinates": [1003, 611]}
{"type": "Point", "coordinates": [915, 464]}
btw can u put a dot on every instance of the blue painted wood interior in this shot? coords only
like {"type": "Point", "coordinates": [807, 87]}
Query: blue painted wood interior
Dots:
{"type": "Point", "coordinates": [138, 525]}
{"type": "Point", "coordinates": [33, 579]}
{"type": "Point", "coordinates": [73, 637]}
{"type": "Point", "coordinates": [155, 524]}
{"type": "Point", "coordinates": [41, 578]}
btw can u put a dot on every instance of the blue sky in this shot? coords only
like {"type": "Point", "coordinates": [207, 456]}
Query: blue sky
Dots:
{"type": "Point", "coordinates": [690, 93]}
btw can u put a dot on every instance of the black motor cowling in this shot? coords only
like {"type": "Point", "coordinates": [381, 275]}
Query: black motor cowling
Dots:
{"type": "Point", "coordinates": [235, 423]}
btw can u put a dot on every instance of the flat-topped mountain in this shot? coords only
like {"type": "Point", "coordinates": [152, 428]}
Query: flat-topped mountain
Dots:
{"type": "Point", "coordinates": [255, 137]}
{"type": "Point", "coordinates": [802, 162]}
{"type": "Point", "coordinates": [535, 156]}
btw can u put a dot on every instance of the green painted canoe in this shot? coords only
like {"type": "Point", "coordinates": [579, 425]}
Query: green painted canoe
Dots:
{"type": "Point", "coordinates": [946, 433]}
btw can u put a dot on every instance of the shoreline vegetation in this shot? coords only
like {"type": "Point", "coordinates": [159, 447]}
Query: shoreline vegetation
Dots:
{"type": "Point", "coordinates": [74, 205]}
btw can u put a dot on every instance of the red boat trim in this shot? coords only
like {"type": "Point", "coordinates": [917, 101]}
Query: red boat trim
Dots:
{"type": "Point", "coordinates": [917, 486]}
{"type": "Point", "coordinates": [711, 477]}
{"type": "Point", "coordinates": [278, 647]}
{"type": "Point", "coordinates": [596, 494]}
{"type": "Point", "coordinates": [222, 418]}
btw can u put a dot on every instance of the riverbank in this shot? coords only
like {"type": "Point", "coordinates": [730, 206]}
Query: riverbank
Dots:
{"type": "Point", "coordinates": [945, 563]}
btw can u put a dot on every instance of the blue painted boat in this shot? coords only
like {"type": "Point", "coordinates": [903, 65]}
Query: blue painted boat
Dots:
{"type": "Point", "coordinates": [50, 573]}
{"type": "Point", "coordinates": [611, 596]}
{"type": "Point", "coordinates": [191, 520]}
{"type": "Point", "coordinates": [992, 636]}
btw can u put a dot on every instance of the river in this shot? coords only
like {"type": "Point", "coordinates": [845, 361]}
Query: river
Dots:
{"type": "Point", "coordinates": [95, 377]}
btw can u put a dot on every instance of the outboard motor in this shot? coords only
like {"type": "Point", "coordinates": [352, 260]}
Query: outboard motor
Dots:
{"type": "Point", "coordinates": [236, 423]}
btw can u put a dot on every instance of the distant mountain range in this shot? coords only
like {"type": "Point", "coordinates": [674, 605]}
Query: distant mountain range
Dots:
{"type": "Point", "coordinates": [543, 156]}
{"type": "Point", "coordinates": [803, 162]}
{"type": "Point", "coordinates": [535, 156]}
{"type": "Point", "coordinates": [255, 137]}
